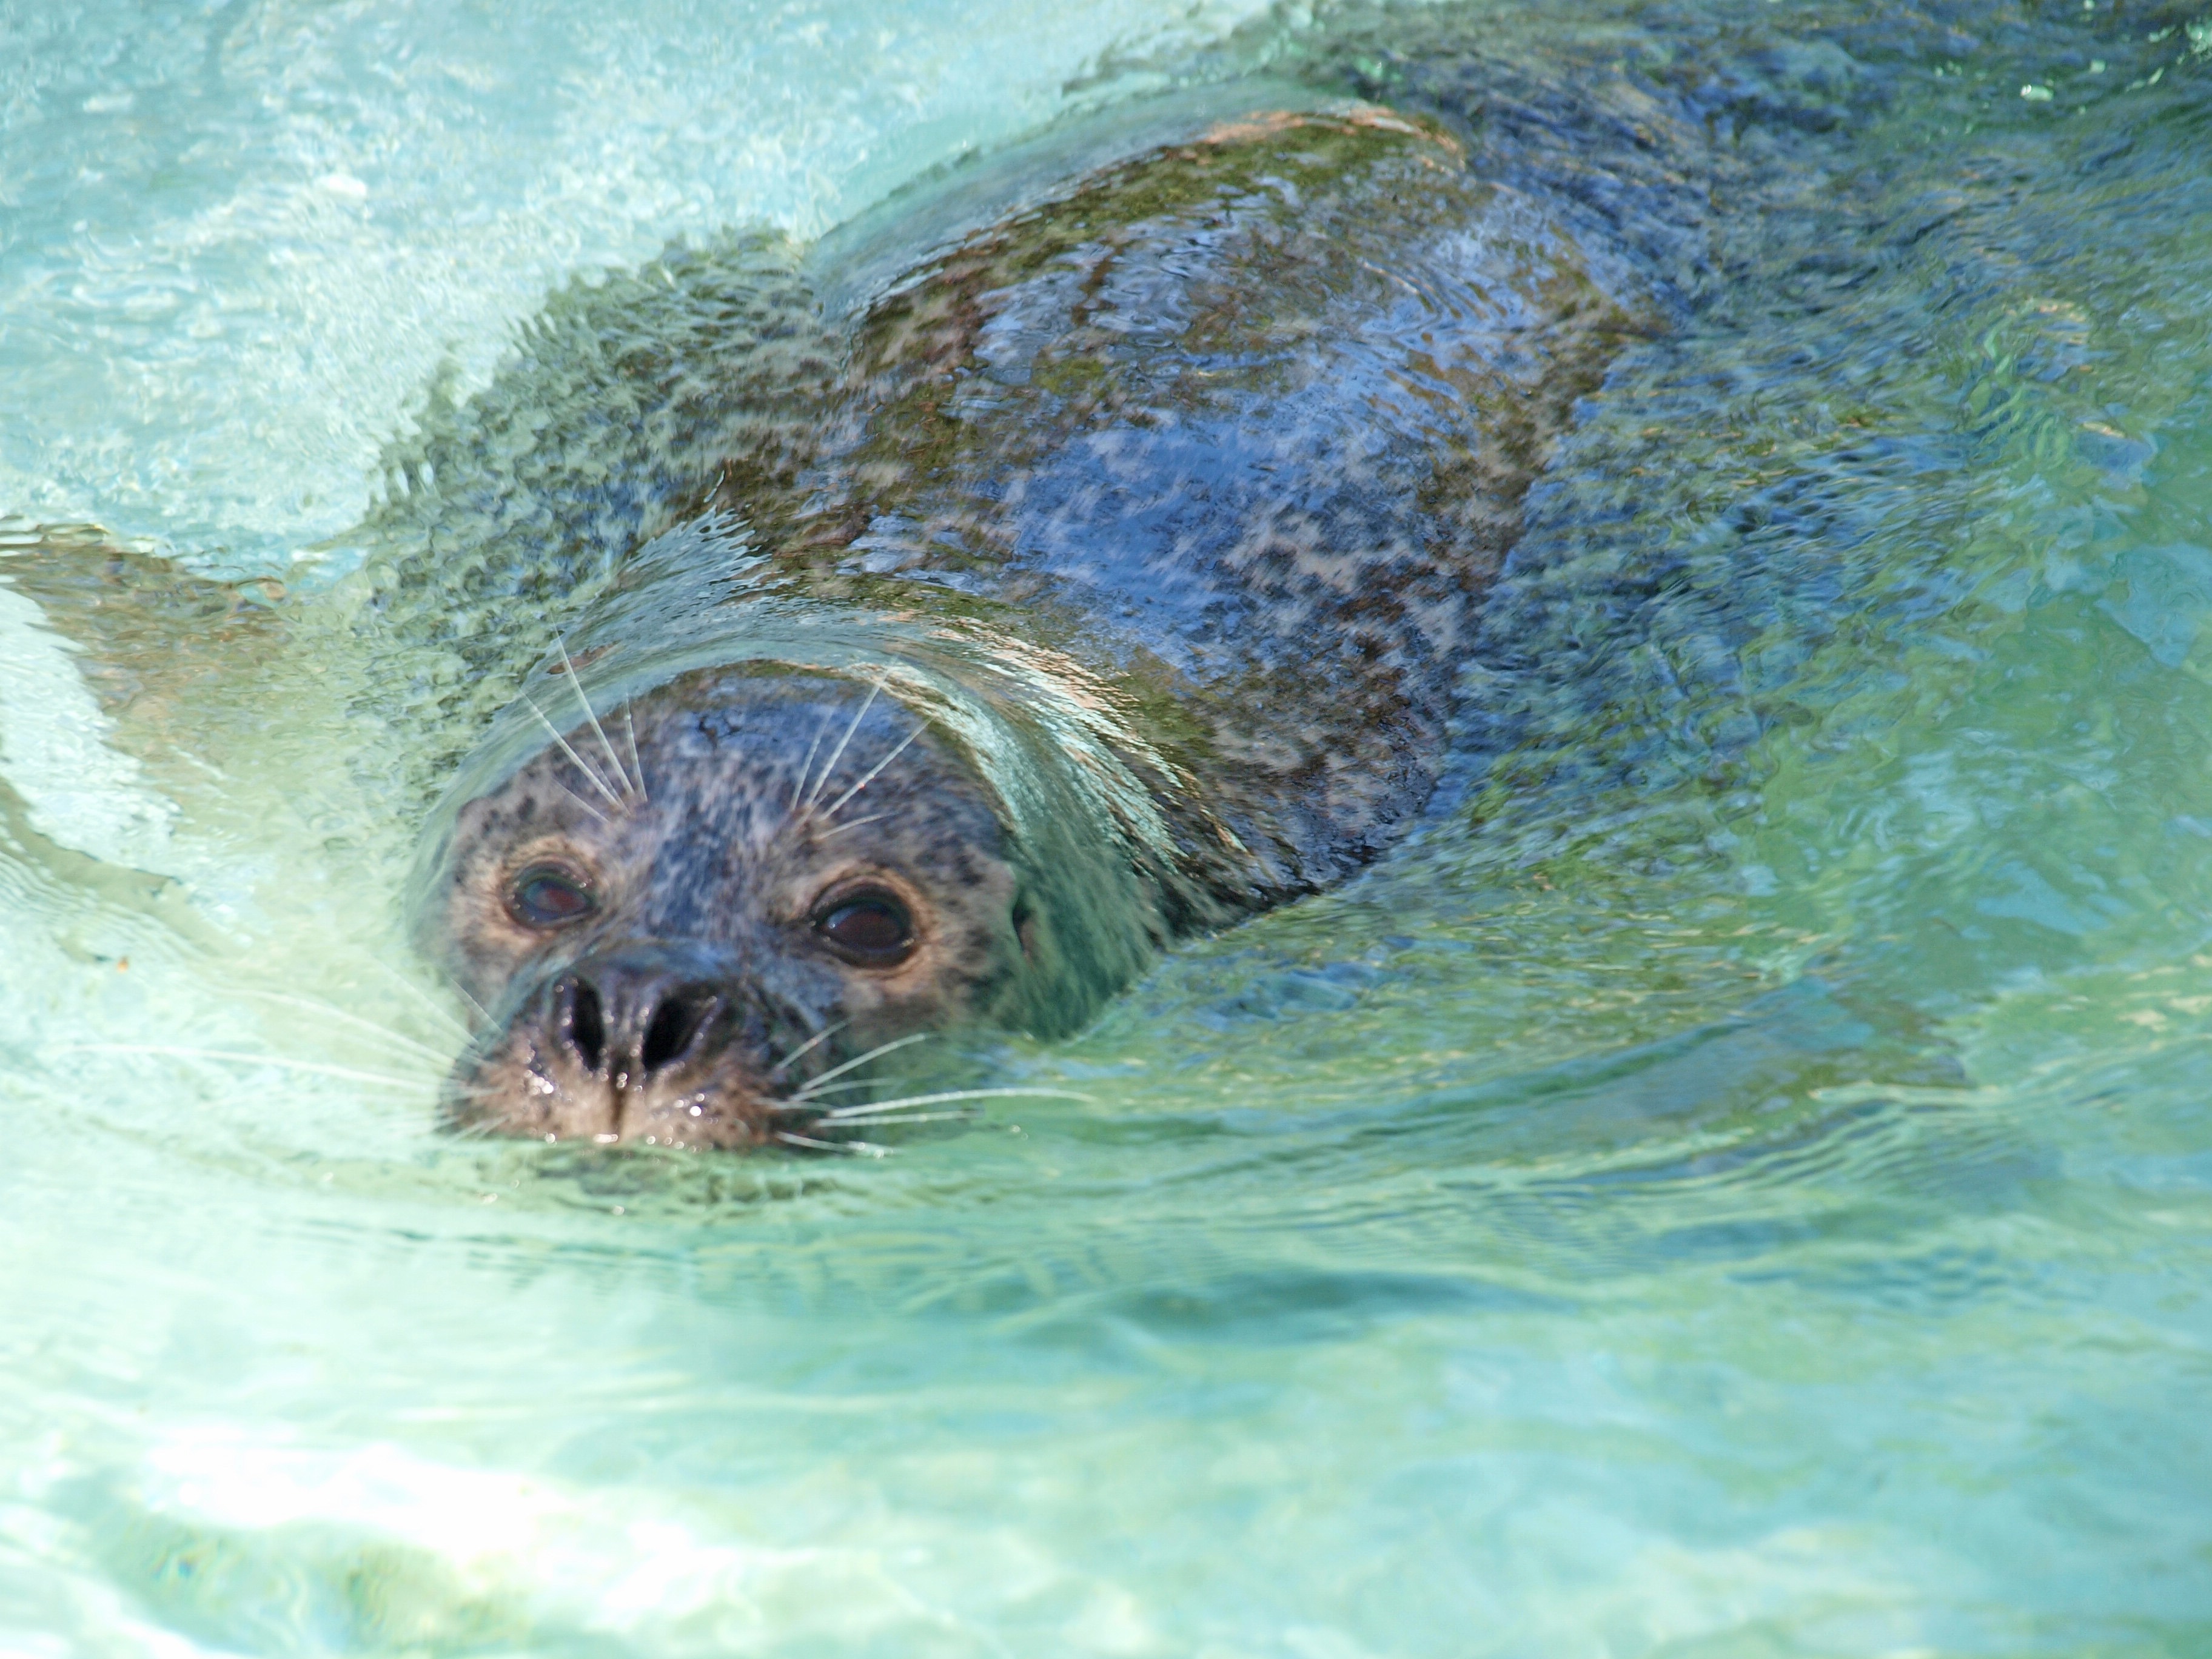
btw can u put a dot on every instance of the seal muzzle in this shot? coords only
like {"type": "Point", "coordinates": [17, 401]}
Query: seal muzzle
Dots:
{"type": "Point", "coordinates": [643, 1040]}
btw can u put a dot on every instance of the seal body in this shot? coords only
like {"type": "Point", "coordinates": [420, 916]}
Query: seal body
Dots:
{"type": "Point", "coordinates": [1107, 584]}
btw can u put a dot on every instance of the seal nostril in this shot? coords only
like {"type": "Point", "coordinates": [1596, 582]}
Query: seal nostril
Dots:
{"type": "Point", "coordinates": [675, 1022]}
{"type": "Point", "coordinates": [586, 1024]}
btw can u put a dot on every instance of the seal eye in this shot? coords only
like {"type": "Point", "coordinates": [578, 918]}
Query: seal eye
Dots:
{"type": "Point", "coordinates": [546, 895]}
{"type": "Point", "coordinates": [871, 928]}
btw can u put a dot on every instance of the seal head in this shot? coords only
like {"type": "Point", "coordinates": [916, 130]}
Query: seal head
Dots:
{"type": "Point", "coordinates": [723, 915]}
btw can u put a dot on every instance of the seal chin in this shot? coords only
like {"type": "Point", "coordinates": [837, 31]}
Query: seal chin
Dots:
{"type": "Point", "coordinates": [643, 1043]}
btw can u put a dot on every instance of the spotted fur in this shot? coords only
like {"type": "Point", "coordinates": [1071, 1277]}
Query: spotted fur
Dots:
{"type": "Point", "coordinates": [1165, 506]}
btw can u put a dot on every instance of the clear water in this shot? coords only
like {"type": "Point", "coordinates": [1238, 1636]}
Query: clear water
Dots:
{"type": "Point", "coordinates": [1739, 1182]}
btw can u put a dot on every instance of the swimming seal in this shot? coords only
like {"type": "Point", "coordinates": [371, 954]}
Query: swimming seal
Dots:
{"type": "Point", "coordinates": [1098, 577]}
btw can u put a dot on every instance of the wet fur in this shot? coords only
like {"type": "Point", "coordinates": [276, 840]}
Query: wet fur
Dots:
{"type": "Point", "coordinates": [1189, 483]}
{"type": "Point", "coordinates": [1215, 455]}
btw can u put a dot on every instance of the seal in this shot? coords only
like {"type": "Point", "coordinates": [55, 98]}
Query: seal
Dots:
{"type": "Point", "coordinates": [1102, 581]}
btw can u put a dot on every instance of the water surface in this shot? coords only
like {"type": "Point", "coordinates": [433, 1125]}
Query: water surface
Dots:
{"type": "Point", "coordinates": [1739, 1181]}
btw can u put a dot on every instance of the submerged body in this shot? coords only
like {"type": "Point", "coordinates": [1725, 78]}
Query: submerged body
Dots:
{"type": "Point", "coordinates": [1100, 577]}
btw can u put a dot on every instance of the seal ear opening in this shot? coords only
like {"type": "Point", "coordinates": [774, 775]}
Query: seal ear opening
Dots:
{"type": "Point", "coordinates": [1024, 920]}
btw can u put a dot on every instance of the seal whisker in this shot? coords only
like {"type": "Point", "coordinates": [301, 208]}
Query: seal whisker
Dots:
{"type": "Point", "coordinates": [581, 764]}
{"type": "Point", "coordinates": [806, 768]}
{"type": "Point", "coordinates": [426, 998]}
{"type": "Point", "coordinates": [239, 1057]}
{"type": "Point", "coordinates": [829, 766]}
{"type": "Point", "coordinates": [855, 1148]}
{"type": "Point", "coordinates": [945, 1097]}
{"type": "Point", "coordinates": [835, 1088]}
{"type": "Point", "coordinates": [636, 765]}
{"type": "Point", "coordinates": [842, 1122]}
{"type": "Point", "coordinates": [831, 812]}
{"type": "Point", "coordinates": [329, 1013]}
{"type": "Point", "coordinates": [858, 1059]}
{"type": "Point", "coordinates": [576, 684]}
{"type": "Point", "coordinates": [851, 824]}
{"type": "Point", "coordinates": [581, 801]}
{"type": "Point", "coordinates": [822, 1035]}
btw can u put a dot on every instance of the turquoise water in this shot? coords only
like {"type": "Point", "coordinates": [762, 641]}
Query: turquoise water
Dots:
{"type": "Point", "coordinates": [1738, 1182]}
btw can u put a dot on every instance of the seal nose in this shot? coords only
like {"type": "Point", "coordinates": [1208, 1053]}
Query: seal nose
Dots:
{"type": "Point", "coordinates": [632, 1018]}
{"type": "Point", "coordinates": [660, 1040]}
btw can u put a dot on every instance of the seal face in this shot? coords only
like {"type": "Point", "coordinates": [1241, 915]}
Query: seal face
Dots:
{"type": "Point", "coordinates": [664, 929]}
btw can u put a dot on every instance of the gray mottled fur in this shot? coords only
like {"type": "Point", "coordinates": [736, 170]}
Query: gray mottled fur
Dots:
{"type": "Point", "coordinates": [1169, 498]}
